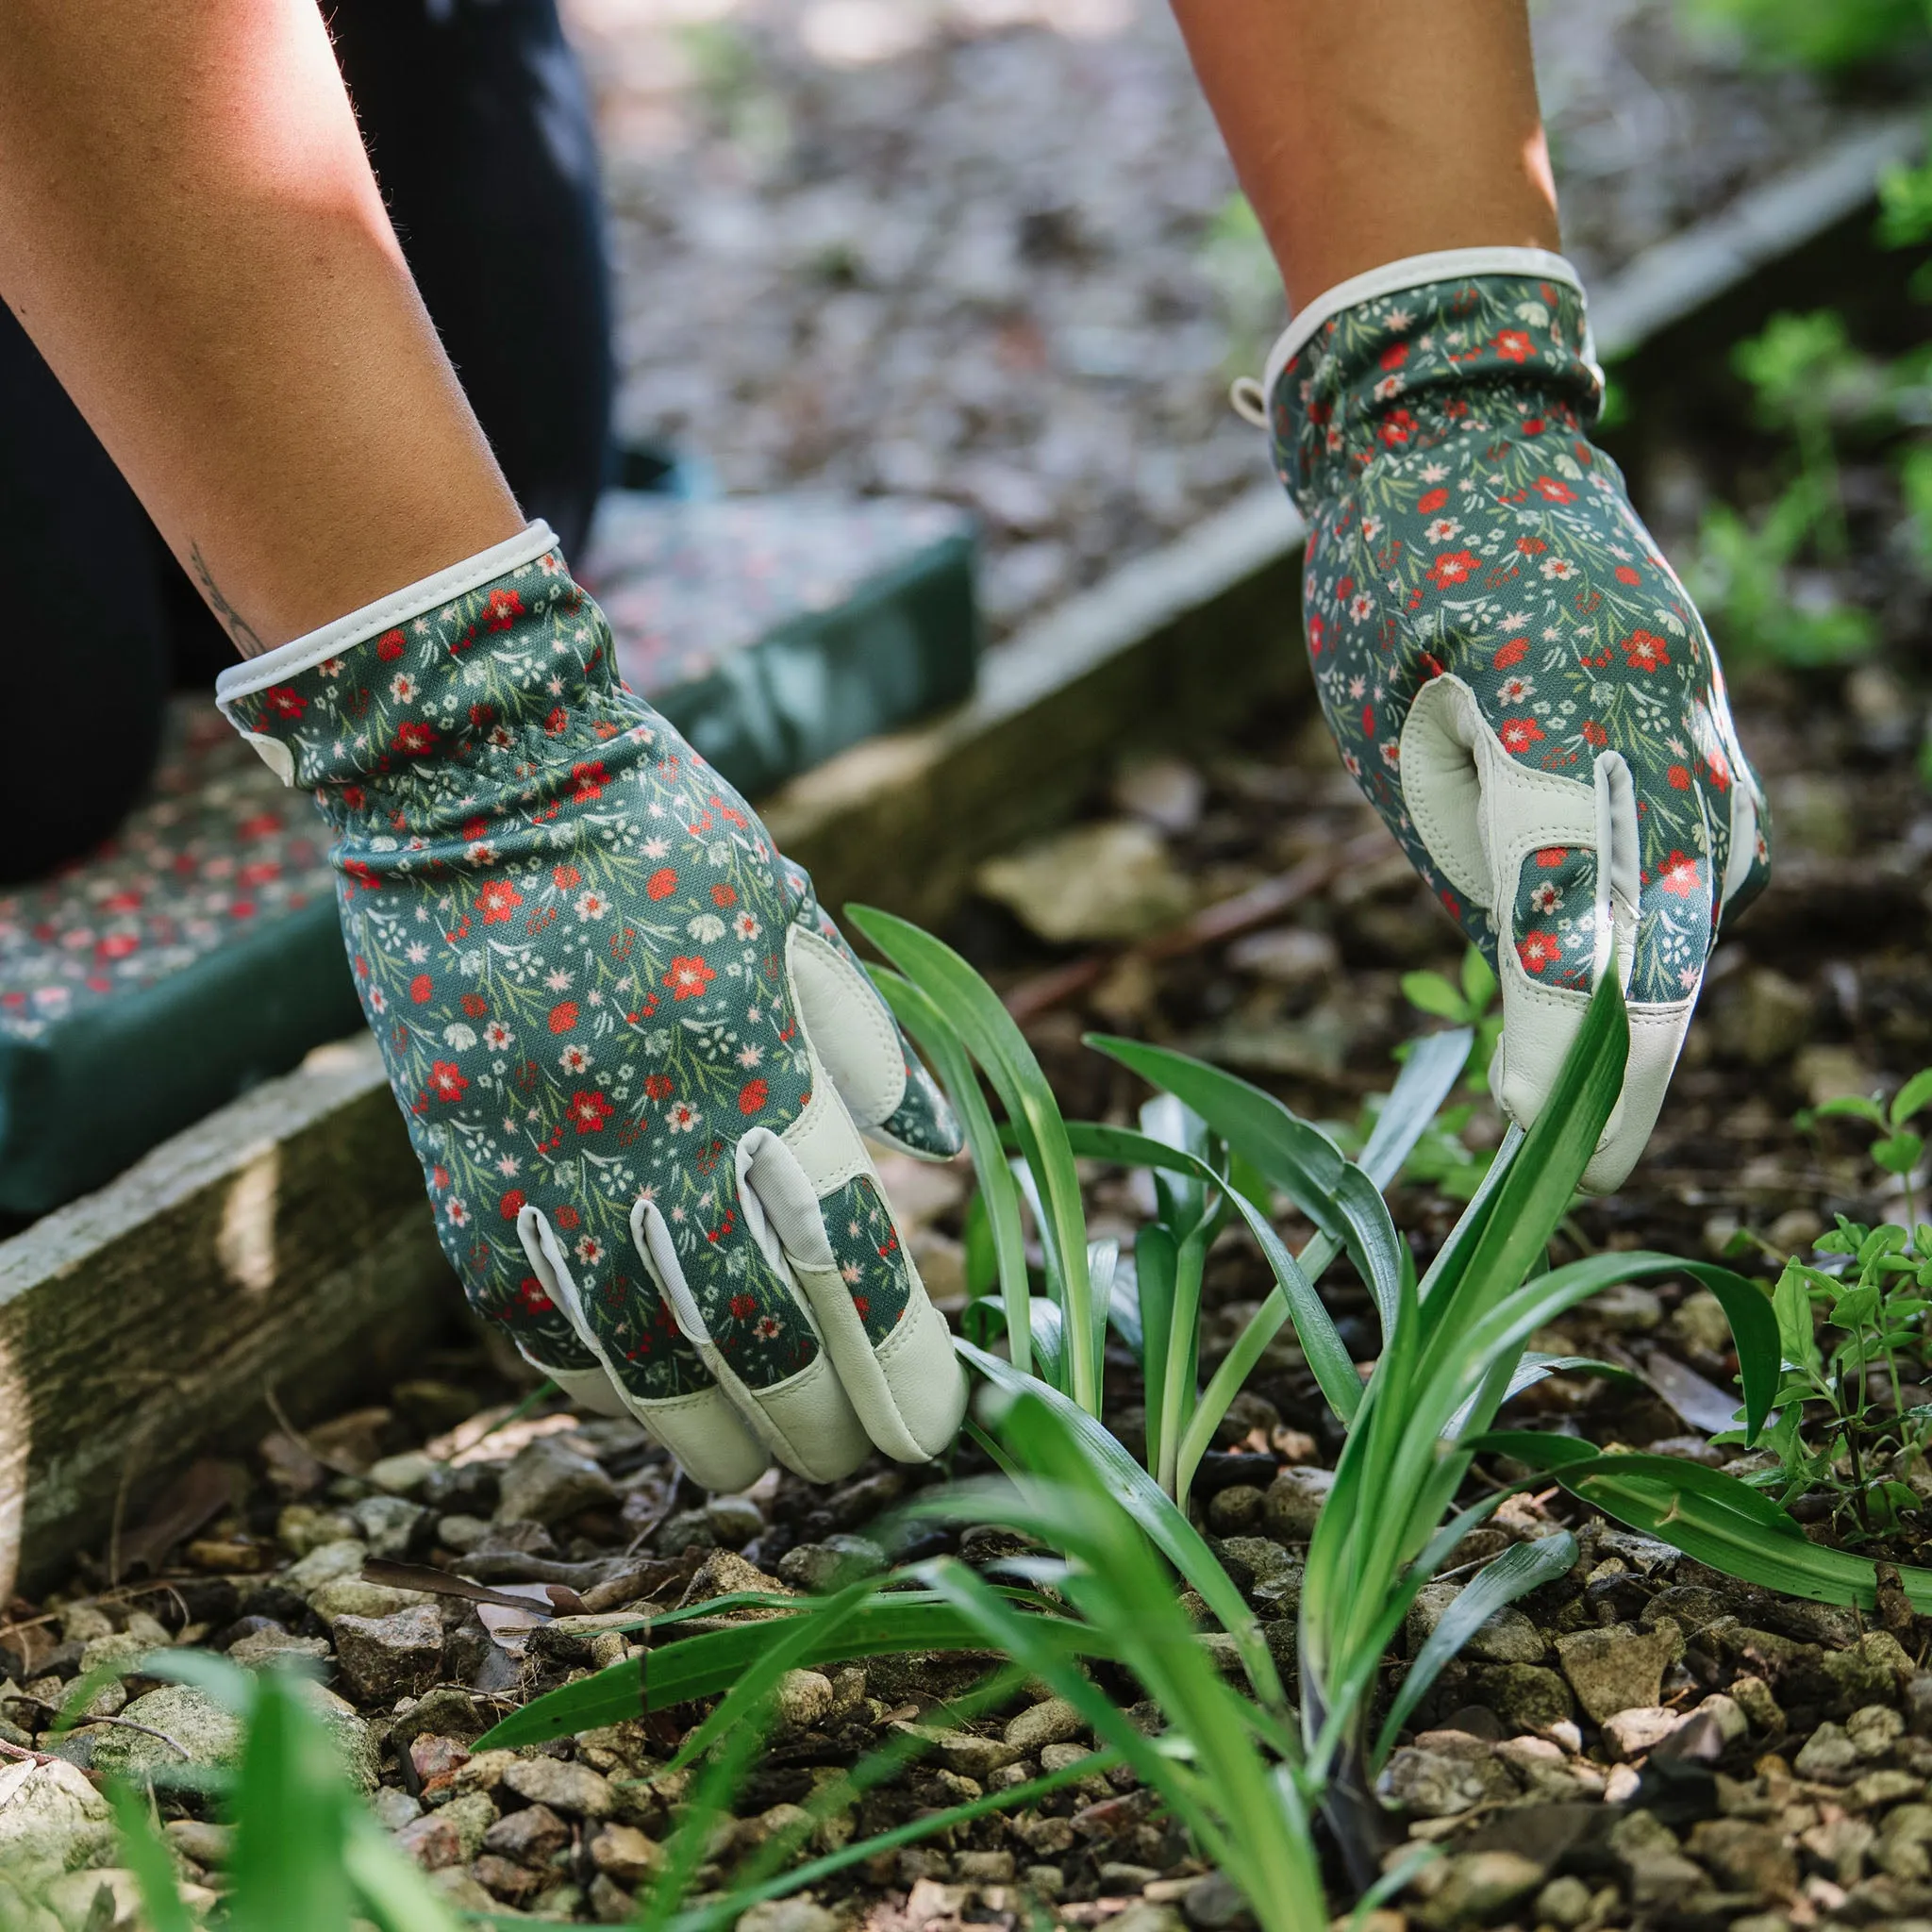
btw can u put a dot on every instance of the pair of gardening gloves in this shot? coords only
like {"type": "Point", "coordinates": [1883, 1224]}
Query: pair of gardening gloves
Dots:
{"type": "Point", "coordinates": [637, 1059]}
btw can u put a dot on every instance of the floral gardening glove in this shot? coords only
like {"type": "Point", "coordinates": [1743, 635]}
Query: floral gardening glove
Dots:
{"type": "Point", "coordinates": [609, 1011]}
{"type": "Point", "coordinates": [1517, 680]}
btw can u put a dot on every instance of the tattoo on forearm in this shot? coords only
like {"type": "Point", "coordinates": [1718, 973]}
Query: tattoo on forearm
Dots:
{"type": "Point", "coordinates": [246, 638]}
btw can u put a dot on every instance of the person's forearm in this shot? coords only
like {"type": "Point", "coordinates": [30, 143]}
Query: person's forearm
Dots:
{"type": "Point", "coordinates": [1364, 131]}
{"type": "Point", "coordinates": [190, 232]}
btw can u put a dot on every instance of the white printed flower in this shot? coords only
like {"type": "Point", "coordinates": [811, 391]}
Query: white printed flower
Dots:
{"type": "Point", "coordinates": [706, 928]}
{"type": "Point", "coordinates": [459, 1036]}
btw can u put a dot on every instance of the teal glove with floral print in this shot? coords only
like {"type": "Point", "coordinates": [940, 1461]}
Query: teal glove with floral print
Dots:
{"type": "Point", "coordinates": [1516, 677]}
{"type": "Point", "coordinates": [633, 1053]}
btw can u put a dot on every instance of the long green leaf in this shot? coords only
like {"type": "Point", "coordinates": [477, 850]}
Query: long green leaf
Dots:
{"type": "Point", "coordinates": [291, 1813]}
{"type": "Point", "coordinates": [1429, 1075]}
{"type": "Point", "coordinates": [393, 1890]}
{"type": "Point", "coordinates": [1314, 1327]}
{"type": "Point", "coordinates": [1710, 1516]}
{"type": "Point", "coordinates": [1155, 1512]}
{"type": "Point", "coordinates": [996, 1042]}
{"type": "Point", "coordinates": [145, 1853]}
{"type": "Point", "coordinates": [1296, 1158]}
{"type": "Point", "coordinates": [1518, 1571]}
{"type": "Point", "coordinates": [709, 1664]}
{"type": "Point", "coordinates": [998, 1195]}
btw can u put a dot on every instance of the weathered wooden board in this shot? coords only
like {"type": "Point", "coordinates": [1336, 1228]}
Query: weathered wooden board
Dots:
{"type": "Point", "coordinates": [282, 1241]}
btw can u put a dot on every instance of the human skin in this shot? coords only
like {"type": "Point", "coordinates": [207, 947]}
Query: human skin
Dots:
{"type": "Point", "coordinates": [190, 234]}
{"type": "Point", "coordinates": [1367, 130]}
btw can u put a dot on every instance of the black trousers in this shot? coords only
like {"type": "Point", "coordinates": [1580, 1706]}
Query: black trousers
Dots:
{"type": "Point", "coordinates": [475, 118]}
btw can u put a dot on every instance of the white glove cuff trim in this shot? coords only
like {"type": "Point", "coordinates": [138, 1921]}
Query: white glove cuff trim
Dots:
{"type": "Point", "coordinates": [1412, 271]}
{"type": "Point", "coordinates": [303, 653]}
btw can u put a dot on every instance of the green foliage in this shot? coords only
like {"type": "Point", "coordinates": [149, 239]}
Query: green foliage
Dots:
{"type": "Point", "coordinates": [1827, 37]}
{"type": "Point", "coordinates": [1857, 1315]}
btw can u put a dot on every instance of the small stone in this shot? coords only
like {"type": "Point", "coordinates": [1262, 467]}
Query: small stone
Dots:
{"type": "Point", "coordinates": [261, 1648]}
{"type": "Point", "coordinates": [965, 1752]}
{"type": "Point", "coordinates": [1766, 1019]}
{"type": "Point", "coordinates": [1144, 1916]}
{"type": "Point", "coordinates": [983, 1868]}
{"type": "Point", "coordinates": [1238, 1510]}
{"type": "Point", "coordinates": [351, 1596]}
{"type": "Point", "coordinates": [386, 1657]}
{"type": "Point", "coordinates": [1294, 1501]}
{"type": "Point", "coordinates": [1631, 1733]}
{"type": "Point", "coordinates": [1428, 1784]}
{"type": "Point", "coordinates": [76, 1899]}
{"type": "Point", "coordinates": [393, 1809]}
{"type": "Point", "coordinates": [610, 1904]}
{"type": "Point", "coordinates": [206, 1731]}
{"type": "Point", "coordinates": [204, 1844]}
{"type": "Point", "coordinates": [1508, 1637]}
{"type": "Point", "coordinates": [1753, 1697]}
{"type": "Point", "coordinates": [1871, 1671]}
{"type": "Point", "coordinates": [1880, 1788]}
{"type": "Point", "coordinates": [788, 1915]}
{"type": "Point", "coordinates": [1795, 1231]}
{"type": "Point", "coordinates": [804, 1699]}
{"type": "Point", "coordinates": [570, 1789]}
{"type": "Point", "coordinates": [1049, 1881]}
{"type": "Point", "coordinates": [1053, 1721]}
{"type": "Point", "coordinates": [1528, 1698]}
{"type": "Point", "coordinates": [1628, 1308]}
{"type": "Point", "coordinates": [456, 1888]}
{"type": "Point", "coordinates": [391, 1525]}
{"type": "Point", "coordinates": [1828, 1755]}
{"type": "Point", "coordinates": [463, 1533]}
{"type": "Point", "coordinates": [688, 1529]}
{"type": "Point", "coordinates": [532, 1836]}
{"type": "Point", "coordinates": [1700, 1320]}
{"type": "Point", "coordinates": [1618, 1668]}
{"type": "Point", "coordinates": [512, 1884]}
{"type": "Point", "coordinates": [1563, 1902]}
{"type": "Point", "coordinates": [1873, 1729]}
{"type": "Point", "coordinates": [547, 1483]}
{"type": "Point", "coordinates": [1111, 880]}
{"type": "Point", "coordinates": [1475, 1885]}
{"type": "Point", "coordinates": [325, 1563]}
{"type": "Point", "coordinates": [1214, 1902]}
{"type": "Point", "coordinates": [623, 1853]}
{"type": "Point", "coordinates": [302, 1528]}
{"type": "Point", "coordinates": [1831, 1073]}
{"type": "Point", "coordinates": [1745, 1856]}
{"type": "Point", "coordinates": [449, 1710]}
{"type": "Point", "coordinates": [822, 1567]}
{"type": "Point", "coordinates": [734, 1520]}
{"type": "Point", "coordinates": [435, 1759]}
{"type": "Point", "coordinates": [1063, 1756]}
{"type": "Point", "coordinates": [403, 1475]}
{"type": "Point", "coordinates": [51, 1819]}
{"type": "Point", "coordinates": [452, 1835]}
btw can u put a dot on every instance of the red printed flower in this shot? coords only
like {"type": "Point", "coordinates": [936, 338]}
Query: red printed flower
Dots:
{"type": "Point", "coordinates": [1594, 734]}
{"type": "Point", "coordinates": [1645, 651]}
{"type": "Point", "coordinates": [1514, 346]}
{"type": "Point", "coordinates": [497, 901]}
{"type": "Point", "coordinates": [723, 895]}
{"type": "Point", "coordinates": [662, 883]}
{"type": "Point", "coordinates": [556, 720]}
{"type": "Point", "coordinates": [1538, 950]}
{"type": "Point", "coordinates": [752, 1096]}
{"type": "Point", "coordinates": [1395, 355]}
{"type": "Point", "coordinates": [474, 1005]}
{"type": "Point", "coordinates": [1431, 500]}
{"type": "Point", "coordinates": [743, 1307]}
{"type": "Point", "coordinates": [1316, 631]}
{"type": "Point", "coordinates": [1680, 875]}
{"type": "Point", "coordinates": [389, 646]}
{"type": "Point", "coordinates": [1454, 567]}
{"type": "Point", "coordinates": [1551, 857]}
{"type": "Point", "coordinates": [565, 876]}
{"type": "Point", "coordinates": [658, 1087]}
{"type": "Point", "coordinates": [588, 782]}
{"type": "Point", "coordinates": [1552, 492]}
{"type": "Point", "coordinates": [285, 700]}
{"type": "Point", "coordinates": [566, 1218]}
{"type": "Point", "coordinates": [563, 1016]}
{"type": "Point", "coordinates": [421, 987]}
{"type": "Point", "coordinates": [1519, 734]}
{"type": "Point", "coordinates": [447, 1079]}
{"type": "Point", "coordinates": [1395, 427]}
{"type": "Point", "coordinates": [1679, 777]}
{"type": "Point", "coordinates": [506, 606]}
{"type": "Point", "coordinates": [1625, 574]}
{"type": "Point", "coordinates": [589, 1111]}
{"type": "Point", "coordinates": [511, 1205]}
{"type": "Point", "coordinates": [1514, 652]}
{"type": "Point", "coordinates": [688, 976]}
{"type": "Point", "coordinates": [415, 737]}
{"type": "Point", "coordinates": [530, 1293]}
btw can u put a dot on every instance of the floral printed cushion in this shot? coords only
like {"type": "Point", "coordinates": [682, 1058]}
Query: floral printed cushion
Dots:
{"type": "Point", "coordinates": [198, 950]}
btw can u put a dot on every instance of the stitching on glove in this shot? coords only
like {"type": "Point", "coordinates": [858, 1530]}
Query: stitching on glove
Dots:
{"type": "Point", "coordinates": [858, 1005]}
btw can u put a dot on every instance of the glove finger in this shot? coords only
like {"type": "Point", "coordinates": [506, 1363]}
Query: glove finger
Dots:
{"type": "Point", "coordinates": [821, 1202]}
{"type": "Point", "coordinates": [699, 1425]}
{"type": "Point", "coordinates": [882, 1081]}
{"type": "Point", "coordinates": [754, 1332]}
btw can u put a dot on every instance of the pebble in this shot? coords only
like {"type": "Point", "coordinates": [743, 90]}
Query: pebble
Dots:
{"type": "Point", "coordinates": [1873, 1729]}
{"type": "Point", "coordinates": [1142, 1916]}
{"type": "Point", "coordinates": [76, 1901]}
{"type": "Point", "coordinates": [200, 1841]}
{"type": "Point", "coordinates": [394, 1807]}
{"type": "Point", "coordinates": [1053, 1721]}
{"type": "Point", "coordinates": [1618, 1668]}
{"type": "Point", "coordinates": [623, 1853]}
{"type": "Point", "coordinates": [545, 1482]}
{"type": "Point", "coordinates": [1631, 1733]}
{"type": "Point", "coordinates": [463, 1533]}
{"type": "Point", "coordinates": [1476, 1886]}
{"type": "Point", "coordinates": [1111, 880]}
{"type": "Point", "coordinates": [1294, 1501]}
{"type": "Point", "coordinates": [1214, 1902]}
{"type": "Point", "coordinates": [825, 1566]}
{"type": "Point", "coordinates": [532, 1836]}
{"type": "Point", "coordinates": [788, 1915]}
{"type": "Point", "coordinates": [1237, 1511]}
{"type": "Point", "coordinates": [51, 1818]}
{"type": "Point", "coordinates": [325, 1564]}
{"type": "Point", "coordinates": [391, 1525]}
{"type": "Point", "coordinates": [1564, 1902]}
{"type": "Point", "coordinates": [260, 1648]}
{"type": "Point", "coordinates": [571, 1789]}
{"type": "Point", "coordinates": [351, 1596]}
{"type": "Point", "coordinates": [804, 1699]}
{"type": "Point", "coordinates": [209, 1732]}
{"type": "Point", "coordinates": [404, 1474]}
{"type": "Point", "coordinates": [386, 1657]}
{"type": "Point", "coordinates": [1744, 1856]}
{"type": "Point", "coordinates": [734, 1520]}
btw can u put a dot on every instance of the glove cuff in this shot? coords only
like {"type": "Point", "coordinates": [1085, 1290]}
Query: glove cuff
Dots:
{"type": "Point", "coordinates": [1422, 350]}
{"type": "Point", "coordinates": [476, 661]}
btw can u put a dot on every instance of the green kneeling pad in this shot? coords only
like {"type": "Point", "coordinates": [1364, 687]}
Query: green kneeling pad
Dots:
{"type": "Point", "coordinates": [197, 952]}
